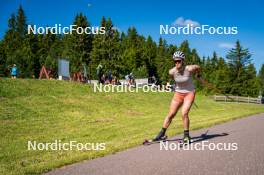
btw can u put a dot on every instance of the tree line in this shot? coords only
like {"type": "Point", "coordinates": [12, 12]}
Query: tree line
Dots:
{"type": "Point", "coordinates": [122, 53]}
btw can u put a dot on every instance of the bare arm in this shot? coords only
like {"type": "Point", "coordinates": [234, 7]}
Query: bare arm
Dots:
{"type": "Point", "coordinates": [172, 72]}
{"type": "Point", "coordinates": [197, 70]}
{"type": "Point", "coordinates": [194, 68]}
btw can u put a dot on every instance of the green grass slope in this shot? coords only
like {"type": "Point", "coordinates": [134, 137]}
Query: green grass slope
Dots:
{"type": "Point", "coordinates": [45, 111]}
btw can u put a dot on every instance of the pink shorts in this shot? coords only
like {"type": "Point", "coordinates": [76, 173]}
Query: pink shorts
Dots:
{"type": "Point", "coordinates": [181, 97]}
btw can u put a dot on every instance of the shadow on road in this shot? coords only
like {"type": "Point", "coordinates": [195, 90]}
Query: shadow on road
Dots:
{"type": "Point", "coordinates": [202, 137]}
{"type": "Point", "coordinates": [207, 136]}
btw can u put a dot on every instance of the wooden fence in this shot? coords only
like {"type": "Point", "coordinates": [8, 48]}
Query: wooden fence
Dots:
{"type": "Point", "coordinates": [237, 99]}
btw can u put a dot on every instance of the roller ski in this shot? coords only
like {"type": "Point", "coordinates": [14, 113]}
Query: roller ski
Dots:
{"type": "Point", "coordinates": [161, 137]}
{"type": "Point", "coordinates": [155, 140]}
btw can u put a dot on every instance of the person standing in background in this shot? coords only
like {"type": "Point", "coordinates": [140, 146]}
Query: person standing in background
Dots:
{"type": "Point", "coordinates": [14, 72]}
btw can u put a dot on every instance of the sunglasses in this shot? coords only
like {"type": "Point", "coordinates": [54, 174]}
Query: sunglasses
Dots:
{"type": "Point", "coordinates": [178, 61]}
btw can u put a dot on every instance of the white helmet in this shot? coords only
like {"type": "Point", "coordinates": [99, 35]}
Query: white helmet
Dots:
{"type": "Point", "coordinates": [178, 55]}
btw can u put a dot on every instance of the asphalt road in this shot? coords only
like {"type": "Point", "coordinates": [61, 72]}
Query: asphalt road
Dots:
{"type": "Point", "coordinates": [247, 135]}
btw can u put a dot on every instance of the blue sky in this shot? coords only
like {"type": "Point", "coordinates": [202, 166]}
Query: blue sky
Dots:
{"type": "Point", "coordinates": [147, 16]}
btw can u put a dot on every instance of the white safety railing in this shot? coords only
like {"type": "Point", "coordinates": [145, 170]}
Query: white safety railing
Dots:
{"type": "Point", "coordinates": [237, 99]}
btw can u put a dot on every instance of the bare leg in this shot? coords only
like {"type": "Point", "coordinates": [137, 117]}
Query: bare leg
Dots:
{"type": "Point", "coordinates": [174, 107]}
{"type": "Point", "coordinates": [187, 104]}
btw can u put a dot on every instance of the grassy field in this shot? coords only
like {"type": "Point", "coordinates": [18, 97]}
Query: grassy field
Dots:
{"type": "Point", "coordinates": [45, 111]}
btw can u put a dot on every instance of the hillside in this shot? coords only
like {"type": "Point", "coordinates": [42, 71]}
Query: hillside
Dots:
{"type": "Point", "coordinates": [48, 110]}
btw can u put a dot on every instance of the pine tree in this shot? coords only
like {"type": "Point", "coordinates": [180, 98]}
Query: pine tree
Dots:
{"type": "Point", "coordinates": [194, 59]}
{"type": "Point", "coordinates": [14, 42]}
{"type": "Point", "coordinates": [214, 60]}
{"type": "Point", "coordinates": [98, 52]}
{"type": "Point", "coordinates": [163, 61]}
{"type": "Point", "coordinates": [238, 59]}
{"type": "Point", "coordinates": [105, 49]}
{"type": "Point", "coordinates": [10, 41]}
{"type": "Point", "coordinates": [184, 47]}
{"type": "Point", "coordinates": [250, 86]}
{"type": "Point", "coordinates": [78, 45]}
{"type": "Point", "coordinates": [221, 75]}
{"type": "Point", "coordinates": [149, 54]}
{"type": "Point", "coordinates": [21, 26]}
{"type": "Point", "coordinates": [3, 70]}
{"type": "Point", "coordinates": [261, 79]}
